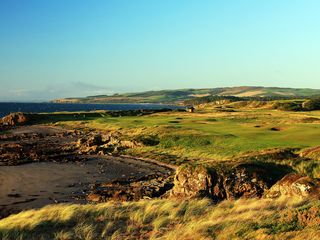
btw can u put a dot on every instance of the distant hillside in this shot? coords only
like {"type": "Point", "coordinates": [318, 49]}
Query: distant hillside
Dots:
{"type": "Point", "coordinates": [181, 95]}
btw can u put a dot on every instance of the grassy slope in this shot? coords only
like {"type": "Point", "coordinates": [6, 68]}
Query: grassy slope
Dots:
{"type": "Point", "coordinates": [168, 219]}
{"type": "Point", "coordinates": [171, 96]}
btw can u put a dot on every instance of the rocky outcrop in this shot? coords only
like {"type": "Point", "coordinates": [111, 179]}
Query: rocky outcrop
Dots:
{"type": "Point", "coordinates": [104, 144]}
{"type": "Point", "coordinates": [295, 185]}
{"type": "Point", "coordinates": [192, 181]}
{"type": "Point", "coordinates": [14, 119]}
{"type": "Point", "coordinates": [244, 180]}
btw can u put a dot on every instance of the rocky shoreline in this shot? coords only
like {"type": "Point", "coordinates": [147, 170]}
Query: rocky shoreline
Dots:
{"type": "Point", "coordinates": [23, 142]}
{"type": "Point", "coordinates": [28, 144]}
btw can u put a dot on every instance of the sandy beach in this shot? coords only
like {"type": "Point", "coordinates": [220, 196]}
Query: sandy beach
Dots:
{"type": "Point", "coordinates": [35, 185]}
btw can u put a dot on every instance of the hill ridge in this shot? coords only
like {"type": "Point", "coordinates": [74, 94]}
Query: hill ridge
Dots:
{"type": "Point", "coordinates": [180, 95]}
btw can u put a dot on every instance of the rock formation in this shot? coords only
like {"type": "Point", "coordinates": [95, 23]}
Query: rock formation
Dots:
{"type": "Point", "coordinates": [104, 144]}
{"type": "Point", "coordinates": [14, 119]}
{"type": "Point", "coordinates": [192, 181]}
{"type": "Point", "coordinates": [295, 185]}
{"type": "Point", "coordinates": [244, 180]}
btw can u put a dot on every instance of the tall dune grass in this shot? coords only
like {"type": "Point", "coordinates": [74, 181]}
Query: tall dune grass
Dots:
{"type": "Point", "coordinates": [168, 219]}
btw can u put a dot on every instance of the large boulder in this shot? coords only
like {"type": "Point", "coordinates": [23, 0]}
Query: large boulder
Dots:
{"type": "Point", "coordinates": [192, 181]}
{"type": "Point", "coordinates": [295, 185]}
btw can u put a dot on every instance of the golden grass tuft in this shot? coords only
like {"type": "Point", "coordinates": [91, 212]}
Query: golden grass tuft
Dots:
{"type": "Point", "coordinates": [168, 219]}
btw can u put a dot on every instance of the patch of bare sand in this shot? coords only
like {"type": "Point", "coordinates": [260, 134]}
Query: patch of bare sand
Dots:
{"type": "Point", "coordinates": [38, 129]}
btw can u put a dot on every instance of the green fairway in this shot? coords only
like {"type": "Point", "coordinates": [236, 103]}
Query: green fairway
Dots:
{"type": "Point", "coordinates": [215, 136]}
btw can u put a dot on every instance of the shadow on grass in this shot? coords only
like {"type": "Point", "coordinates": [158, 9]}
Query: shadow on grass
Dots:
{"type": "Point", "coordinates": [45, 229]}
{"type": "Point", "coordinates": [271, 172]}
{"type": "Point", "coordinates": [85, 116]}
{"type": "Point", "coordinates": [62, 117]}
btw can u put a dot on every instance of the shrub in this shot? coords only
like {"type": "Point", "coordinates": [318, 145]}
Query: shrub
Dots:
{"type": "Point", "coordinates": [310, 105]}
{"type": "Point", "coordinates": [288, 106]}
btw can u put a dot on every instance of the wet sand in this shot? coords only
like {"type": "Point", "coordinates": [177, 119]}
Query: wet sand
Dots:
{"type": "Point", "coordinates": [35, 185]}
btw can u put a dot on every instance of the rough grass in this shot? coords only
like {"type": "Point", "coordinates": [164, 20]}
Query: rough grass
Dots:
{"type": "Point", "coordinates": [168, 219]}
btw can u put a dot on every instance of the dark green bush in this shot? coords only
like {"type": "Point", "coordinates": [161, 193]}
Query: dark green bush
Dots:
{"type": "Point", "coordinates": [311, 105]}
{"type": "Point", "coordinates": [288, 106]}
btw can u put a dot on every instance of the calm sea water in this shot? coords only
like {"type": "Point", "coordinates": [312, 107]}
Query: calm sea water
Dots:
{"type": "Point", "coordinates": [6, 108]}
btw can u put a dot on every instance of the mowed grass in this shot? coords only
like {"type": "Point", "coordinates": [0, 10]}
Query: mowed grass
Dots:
{"type": "Point", "coordinates": [168, 219]}
{"type": "Point", "coordinates": [215, 136]}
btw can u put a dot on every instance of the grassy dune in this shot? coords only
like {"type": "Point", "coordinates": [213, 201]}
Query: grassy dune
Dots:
{"type": "Point", "coordinates": [169, 219]}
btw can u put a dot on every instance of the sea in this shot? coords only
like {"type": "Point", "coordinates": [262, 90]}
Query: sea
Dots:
{"type": "Point", "coordinates": [10, 107]}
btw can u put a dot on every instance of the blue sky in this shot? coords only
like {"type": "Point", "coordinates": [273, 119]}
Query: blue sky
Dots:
{"type": "Point", "coordinates": [59, 48]}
